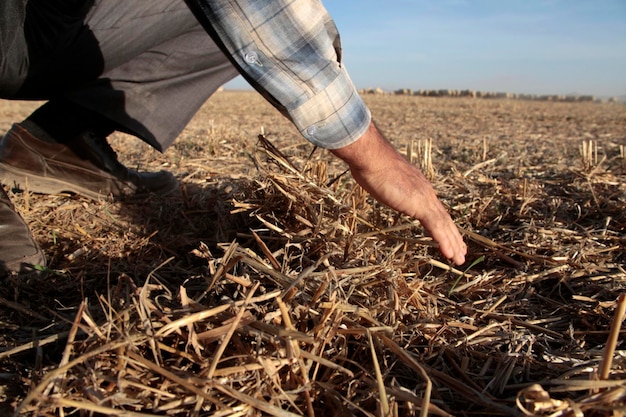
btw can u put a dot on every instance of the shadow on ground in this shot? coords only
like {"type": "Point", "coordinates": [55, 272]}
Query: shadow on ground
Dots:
{"type": "Point", "coordinates": [92, 247]}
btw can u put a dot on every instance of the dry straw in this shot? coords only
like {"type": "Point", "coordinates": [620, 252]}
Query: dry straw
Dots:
{"type": "Point", "coordinates": [309, 298]}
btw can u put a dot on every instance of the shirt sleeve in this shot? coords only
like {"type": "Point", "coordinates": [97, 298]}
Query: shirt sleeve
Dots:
{"type": "Point", "coordinates": [290, 51]}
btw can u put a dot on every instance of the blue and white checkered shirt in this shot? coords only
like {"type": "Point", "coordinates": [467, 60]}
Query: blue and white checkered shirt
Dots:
{"type": "Point", "coordinates": [289, 50]}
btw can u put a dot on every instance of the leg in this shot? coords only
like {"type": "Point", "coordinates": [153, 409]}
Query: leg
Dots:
{"type": "Point", "coordinates": [144, 68]}
{"type": "Point", "coordinates": [151, 71]}
{"type": "Point", "coordinates": [167, 68]}
{"type": "Point", "coordinates": [151, 86]}
{"type": "Point", "coordinates": [19, 253]}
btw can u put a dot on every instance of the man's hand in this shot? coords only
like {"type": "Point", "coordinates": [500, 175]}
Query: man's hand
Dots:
{"type": "Point", "coordinates": [382, 171]}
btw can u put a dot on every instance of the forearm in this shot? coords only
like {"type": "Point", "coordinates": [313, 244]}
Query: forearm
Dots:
{"type": "Point", "coordinates": [290, 52]}
{"type": "Point", "coordinates": [372, 152]}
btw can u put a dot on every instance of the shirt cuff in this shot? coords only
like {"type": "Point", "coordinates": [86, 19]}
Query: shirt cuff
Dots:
{"type": "Point", "coordinates": [335, 116]}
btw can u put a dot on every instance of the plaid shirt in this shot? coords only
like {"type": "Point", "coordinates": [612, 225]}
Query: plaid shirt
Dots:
{"type": "Point", "coordinates": [289, 50]}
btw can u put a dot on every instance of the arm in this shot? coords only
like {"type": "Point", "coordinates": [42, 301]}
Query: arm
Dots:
{"type": "Point", "coordinates": [388, 177]}
{"type": "Point", "coordinates": [290, 52]}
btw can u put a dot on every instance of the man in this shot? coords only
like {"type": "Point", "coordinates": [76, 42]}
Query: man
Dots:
{"type": "Point", "coordinates": [145, 68]}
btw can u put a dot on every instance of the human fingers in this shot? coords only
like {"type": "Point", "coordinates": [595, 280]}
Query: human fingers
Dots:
{"type": "Point", "coordinates": [442, 229]}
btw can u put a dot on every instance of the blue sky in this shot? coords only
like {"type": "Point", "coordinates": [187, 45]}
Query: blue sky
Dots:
{"type": "Point", "coordinates": [522, 46]}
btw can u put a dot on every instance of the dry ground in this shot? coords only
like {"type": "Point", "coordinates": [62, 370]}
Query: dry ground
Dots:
{"type": "Point", "coordinates": [272, 285]}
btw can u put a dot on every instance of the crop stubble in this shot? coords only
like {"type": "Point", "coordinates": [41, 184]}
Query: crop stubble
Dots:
{"type": "Point", "coordinates": [273, 284]}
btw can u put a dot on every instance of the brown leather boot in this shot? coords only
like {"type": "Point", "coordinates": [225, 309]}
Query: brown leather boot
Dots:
{"type": "Point", "coordinates": [19, 253]}
{"type": "Point", "coordinates": [87, 165]}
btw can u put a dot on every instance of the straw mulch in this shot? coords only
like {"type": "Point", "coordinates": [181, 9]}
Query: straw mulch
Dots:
{"type": "Point", "coordinates": [273, 285]}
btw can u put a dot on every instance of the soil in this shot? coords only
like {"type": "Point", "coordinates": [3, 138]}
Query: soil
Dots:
{"type": "Point", "coordinates": [539, 189]}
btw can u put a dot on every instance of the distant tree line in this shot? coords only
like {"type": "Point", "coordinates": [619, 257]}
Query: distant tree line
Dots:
{"type": "Point", "coordinates": [489, 95]}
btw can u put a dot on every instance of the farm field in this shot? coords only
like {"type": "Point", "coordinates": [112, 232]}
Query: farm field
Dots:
{"type": "Point", "coordinates": [273, 285]}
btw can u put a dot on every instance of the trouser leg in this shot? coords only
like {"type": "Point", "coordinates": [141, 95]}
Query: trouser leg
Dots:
{"type": "Point", "coordinates": [160, 66]}
{"type": "Point", "coordinates": [157, 65]}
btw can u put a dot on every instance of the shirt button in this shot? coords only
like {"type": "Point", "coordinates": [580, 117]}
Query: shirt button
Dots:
{"type": "Point", "coordinates": [251, 57]}
{"type": "Point", "coordinates": [311, 130]}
